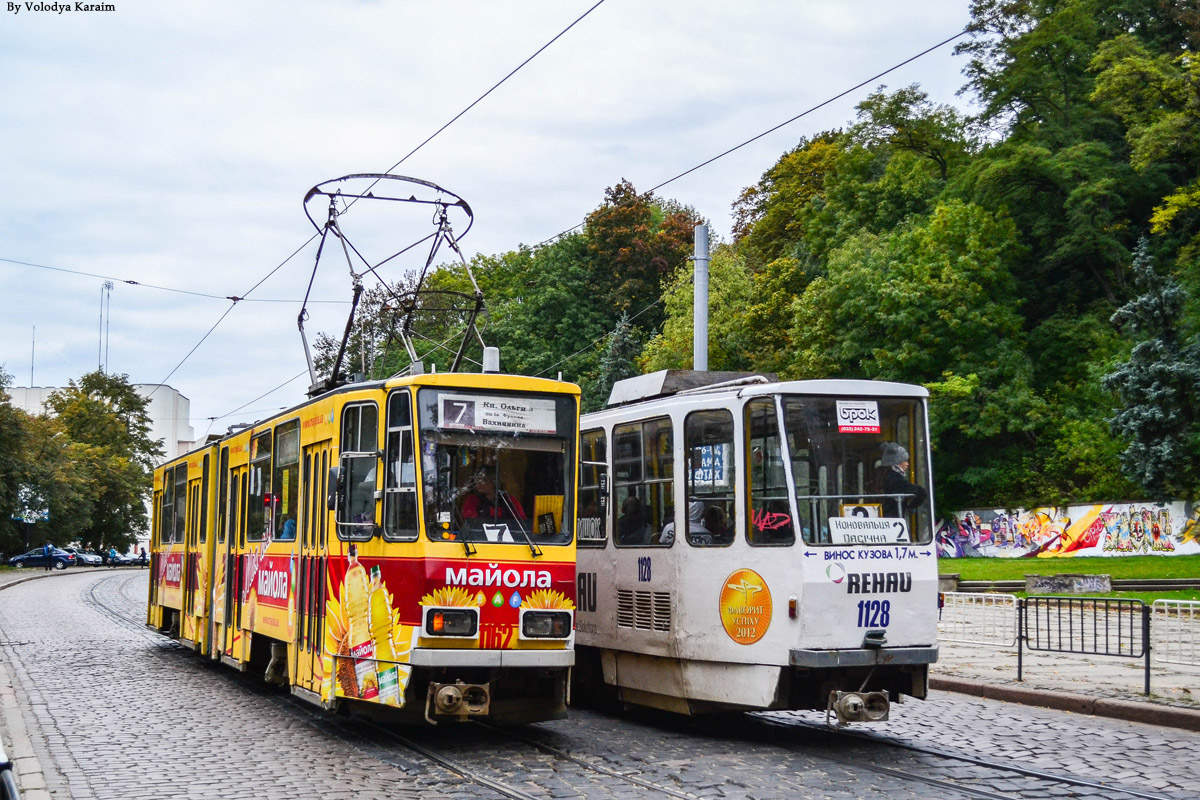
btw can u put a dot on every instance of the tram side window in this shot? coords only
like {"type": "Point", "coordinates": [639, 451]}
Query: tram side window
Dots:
{"type": "Point", "coordinates": [711, 478]}
{"type": "Point", "coordinates": [222, 495]}
{"type": "Point", "coordinates": [258, 500]}
{"type": "Point", "coordinates": [400, 480]}
{"type": "Point", "coordinates": [166, 507]}
{"type": "Point", "coordinates": [593, 488]}
{"type": "Point", "coordinates": [286, 480]}
{"type": "Point", "coordinates": [180, 502]}
{"type": "Point", "coordinates": [359, 461]}
{"type": "Point", "coordinates": [234, 508]}
{"type": "Point", "coordinates": [770, 515]}
{"type": "Point", "coordinates": [643, 463]}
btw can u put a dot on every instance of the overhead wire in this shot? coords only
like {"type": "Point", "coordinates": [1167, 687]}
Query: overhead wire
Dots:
{"type": "Point", "coordinates": [787, 122]}
{"type": "Point", "coordinates": [735, 148]}
{"type": "Point", "coordinates": [428, 139]}
{"type": "Point", "coordinates": [142, 285]}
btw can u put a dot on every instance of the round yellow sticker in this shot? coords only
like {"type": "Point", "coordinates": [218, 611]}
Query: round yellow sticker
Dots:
{"type": "Point", "coordinates": [745, 606]}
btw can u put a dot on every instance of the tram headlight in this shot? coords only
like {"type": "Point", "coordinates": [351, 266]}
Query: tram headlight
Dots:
{"type": "Point", "coordinates": [539, 624]}
{"type": "Point", "coordinates": [458, 622]}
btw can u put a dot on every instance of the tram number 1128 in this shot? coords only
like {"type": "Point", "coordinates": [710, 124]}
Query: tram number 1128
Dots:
{"type": "Point", "coordinates": [874, 613]}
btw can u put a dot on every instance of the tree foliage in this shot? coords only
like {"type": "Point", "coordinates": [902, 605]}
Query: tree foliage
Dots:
{"type": "Point", "coordinates": [108, 433]}
{"type": "Point", "coordinates": [1159, 415]}
{"type": "Point", "coordinates": [983, 257]}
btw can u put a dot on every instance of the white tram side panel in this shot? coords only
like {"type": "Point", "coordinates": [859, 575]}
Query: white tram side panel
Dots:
{"type": "Point", "coordinates": [816, 587]}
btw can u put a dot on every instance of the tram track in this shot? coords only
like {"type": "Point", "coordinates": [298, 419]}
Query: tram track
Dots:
{"type": "Point", "coordinates": [482, 755]}
{"type": "Point", "coordinates": [350, 730]}
{"type": "Point", "coordinates": [1109, 790]}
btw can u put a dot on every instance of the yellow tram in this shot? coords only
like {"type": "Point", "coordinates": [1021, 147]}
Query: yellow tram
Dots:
{"type": "Point", "coordinates": [407, 543]}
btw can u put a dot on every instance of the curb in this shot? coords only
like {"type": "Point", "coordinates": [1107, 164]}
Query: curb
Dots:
{"type": "Point", "coordinates": [1148, 713]}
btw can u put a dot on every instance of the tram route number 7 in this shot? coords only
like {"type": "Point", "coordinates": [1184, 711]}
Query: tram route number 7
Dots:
{"type": "Point", "coordinates": [459, 413]}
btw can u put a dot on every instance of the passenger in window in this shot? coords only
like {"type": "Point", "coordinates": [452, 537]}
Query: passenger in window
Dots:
{"type": "Point", "coordinates": [891, 478]}
{"type": "Point", "coordinates": [289, 528]}
{"type": "Point", "coordinates": [717, 524]}
{"type": "Point", "coordinates": [631, 527]}
{"type": "Point", "coordinates": [489, 501]}
{"type": "Point", "coordinates": [698, 533]}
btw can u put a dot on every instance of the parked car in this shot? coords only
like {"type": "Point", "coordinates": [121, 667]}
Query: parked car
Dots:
{"type": "Point", "coordinates": [140, 560]}
{"type": "Point", "coordinates": [85, 558]}
{"type": "Point", "coordinates": [114, 559]}
{"type": "Point", "coordinates": [36, 558]}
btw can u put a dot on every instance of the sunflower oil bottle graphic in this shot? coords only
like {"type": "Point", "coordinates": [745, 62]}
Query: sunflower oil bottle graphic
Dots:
{"type": "Point", "coordinates": [381, 635]}
{"type": "Point", "coordinates": [356, 594]}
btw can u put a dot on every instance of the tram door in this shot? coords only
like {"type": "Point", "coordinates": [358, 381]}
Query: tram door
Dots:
{"type": "Point", "coordinates": [310, 597]}
{"type": "Point", "coordinates": [231, 639]}
{"type": "Point", "coordinates": [218, 565]}
{"type": "Point", "coordinates": [197, 517]}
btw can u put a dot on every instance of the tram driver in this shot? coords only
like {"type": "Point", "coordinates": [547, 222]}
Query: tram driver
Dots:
{"type": "Point", "coordinates": [489, 501]}
{"type": "Point", "coordinates": [891, 479]}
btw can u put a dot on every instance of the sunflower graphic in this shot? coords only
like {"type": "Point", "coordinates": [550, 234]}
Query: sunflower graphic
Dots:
{"type": "Point", "coordinates": [548, 598]}
{"type": "Point", "coordinates": [449, 596]}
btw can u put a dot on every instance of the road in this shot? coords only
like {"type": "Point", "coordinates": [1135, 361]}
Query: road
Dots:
{"type": "Point", "coordinates": [113, 710]}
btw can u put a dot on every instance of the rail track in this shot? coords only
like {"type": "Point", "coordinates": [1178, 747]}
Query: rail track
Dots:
{"type": "Point", "coordinates": [541, 762]}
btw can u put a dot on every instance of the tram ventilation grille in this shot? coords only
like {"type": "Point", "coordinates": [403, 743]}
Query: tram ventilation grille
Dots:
{"type": "Point", "coordinates": [647, 611]}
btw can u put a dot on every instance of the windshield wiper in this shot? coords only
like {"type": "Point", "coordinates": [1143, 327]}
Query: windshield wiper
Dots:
{"type": "Point", "coordinates": [533, 548]}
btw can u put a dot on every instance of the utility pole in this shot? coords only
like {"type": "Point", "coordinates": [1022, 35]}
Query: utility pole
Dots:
{"type": "Point", "coordinates": [700, 301]}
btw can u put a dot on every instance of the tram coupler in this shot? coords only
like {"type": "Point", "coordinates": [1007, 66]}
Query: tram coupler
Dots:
{"type": "Point", "coordinates": [459, 700]}
{"type": "Point", "coordinates": [858, 707]}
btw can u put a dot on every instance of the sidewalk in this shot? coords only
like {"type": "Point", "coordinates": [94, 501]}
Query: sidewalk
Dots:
{"type": "Point", "coordinates": [1105, 686]}
{"type": "Point", "coordinates": [31, 779]}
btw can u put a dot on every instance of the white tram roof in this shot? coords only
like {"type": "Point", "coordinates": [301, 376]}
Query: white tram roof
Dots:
{"type": "Point", "coordinates": [668, 382]}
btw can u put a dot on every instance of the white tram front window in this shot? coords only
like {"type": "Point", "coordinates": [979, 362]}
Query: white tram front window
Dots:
{"type": "Point", "coordinates": [769, 512]}
{"type": "Point", "coordinates": [497, 467]}
{"type": "Point", "coordinates": [859, 469]}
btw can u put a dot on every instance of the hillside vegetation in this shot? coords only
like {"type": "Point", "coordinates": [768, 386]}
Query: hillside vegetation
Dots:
{"type": "Point", "coordinates": [1035, 265]}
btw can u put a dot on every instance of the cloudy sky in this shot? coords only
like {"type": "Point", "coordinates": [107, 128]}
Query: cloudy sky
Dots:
{"type": "Point", "coordinates": [171, 143]}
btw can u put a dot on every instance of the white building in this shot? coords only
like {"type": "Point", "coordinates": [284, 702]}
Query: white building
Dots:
{"type": "Point", "coordinates": [168, 411]}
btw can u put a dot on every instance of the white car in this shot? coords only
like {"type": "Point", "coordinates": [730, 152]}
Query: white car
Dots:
{"type": "Point", "coordinates": [85, 558]}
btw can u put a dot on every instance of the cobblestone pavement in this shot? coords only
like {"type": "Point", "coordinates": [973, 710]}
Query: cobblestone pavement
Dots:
{"type": "Point", "coordinates": [107, 709]}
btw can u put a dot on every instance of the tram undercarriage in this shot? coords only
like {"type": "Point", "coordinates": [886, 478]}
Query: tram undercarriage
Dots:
{"type": "Point", "coordinates": [857, 693]}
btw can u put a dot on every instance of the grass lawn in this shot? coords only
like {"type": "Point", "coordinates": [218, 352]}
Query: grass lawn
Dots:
{"type": "Point", "coordinates": [1117, 567]}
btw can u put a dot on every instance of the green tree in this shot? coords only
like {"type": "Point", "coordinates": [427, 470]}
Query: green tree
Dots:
{"type": "Point", "coordinates": [1159, 417]}
{"type": "Point", "coordinates": [12, 449]}
{"type": "Point", "coordinates": [635, 243]}
{"type": "Point", "coordinates": [104, 413]}
{"type": "Point", "coordinates": [729, 292]}
{"type": "Point", "coordinates": [618, 362]}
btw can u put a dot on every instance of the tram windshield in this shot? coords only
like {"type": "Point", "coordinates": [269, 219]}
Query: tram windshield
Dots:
{"type": "Point", "coordinates": [497, 467]}
{"type": "Point", "coordinates": [858, 466]}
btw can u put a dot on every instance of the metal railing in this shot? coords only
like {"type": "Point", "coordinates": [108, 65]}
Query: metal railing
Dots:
{"type": "Point", "coordinates": [1086, 625]}
{"type": "Point", "coordinates": [989, 620]}
{"type": "Point", "coordinates": [1176, 631]}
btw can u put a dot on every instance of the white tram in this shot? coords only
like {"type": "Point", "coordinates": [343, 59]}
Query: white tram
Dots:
{"type": "Point", "coordinates": [738, 548]}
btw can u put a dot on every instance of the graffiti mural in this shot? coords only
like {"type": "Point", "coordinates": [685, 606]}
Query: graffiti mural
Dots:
{"type": "Point", "coordinates": [1099, 529]}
